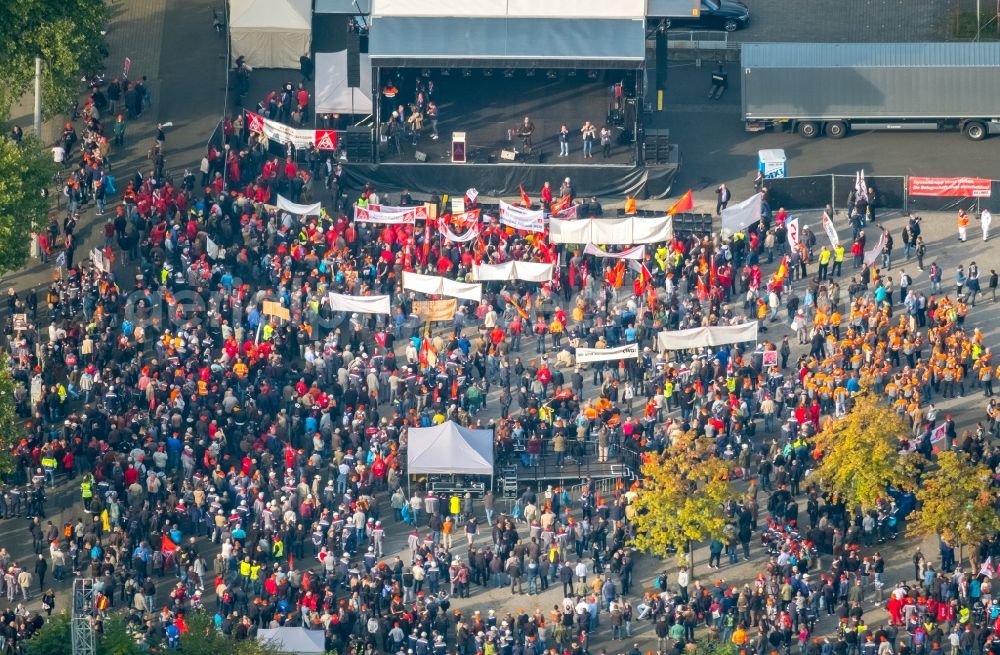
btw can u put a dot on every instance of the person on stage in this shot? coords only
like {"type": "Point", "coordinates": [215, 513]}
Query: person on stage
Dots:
{"type": "Point", "coordinates": [527, 129]}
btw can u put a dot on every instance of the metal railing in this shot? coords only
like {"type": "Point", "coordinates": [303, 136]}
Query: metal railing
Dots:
{"type": "Point", "coordinates": [700, 40]}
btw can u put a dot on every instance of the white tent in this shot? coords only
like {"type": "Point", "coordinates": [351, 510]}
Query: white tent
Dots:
{"type": "Point", "coordinates": [333, 96]}
{"type": "Point", "coordinates": [449, 448]}
{"type": "Point", "coordinates": [270, 33]}
{"type": "Point", "coordinates": [293, 640]}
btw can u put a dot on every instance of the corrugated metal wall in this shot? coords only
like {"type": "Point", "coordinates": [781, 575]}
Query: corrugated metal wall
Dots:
{"type": "Point", "coordinates": [871, 92]}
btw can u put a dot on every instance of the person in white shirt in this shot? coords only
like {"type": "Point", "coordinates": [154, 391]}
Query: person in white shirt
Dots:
{"type": "Point", "coordinates": [984, 221]}
{"type": "Point", "coordinates": [59, 155]}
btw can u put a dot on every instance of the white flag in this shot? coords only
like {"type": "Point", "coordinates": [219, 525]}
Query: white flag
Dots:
{"type": "Point", "coordinates": [212, 249]}
{"type": "Point", "coordinates": [860, 186]}
{"type": "Point", "coordinates": [741, 216]}
{"type": "Point", "coordinates": [831, 231]}
{"type": "Point", "coordinates": [872, 255]}
{"type": "Point", "coordinates": [987, 568]}
{"type": "Point", "coordinates": [939, 433]}
{"type": "Point", "coordinates": [793, 233]}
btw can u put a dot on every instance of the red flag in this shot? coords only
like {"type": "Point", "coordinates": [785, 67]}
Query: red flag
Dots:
{"type": "Point", "coordinates": [711, 273]}
{"type": "Point", "coordinates": [167, 545]}
{"type": "Point", "coordinates": [619, 274]}
{"type": "Point", "coordinates": [684, 204]}
{"type": "Point", "coordinates": [525, 200]}
{"type": "Point", "coordinates": [291, 562]}
{"type": "Point", "coordinates": [427, 241]}
{"type": "Point", "coordinates": [702, 289]}
{"type": "Point", "coordinates": [425, 349]}
{"type": "Point", "coordinates": [560, 205]}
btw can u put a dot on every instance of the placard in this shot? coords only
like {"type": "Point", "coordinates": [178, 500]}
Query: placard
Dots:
{"type": "Point", "coordinates": [277, 310]}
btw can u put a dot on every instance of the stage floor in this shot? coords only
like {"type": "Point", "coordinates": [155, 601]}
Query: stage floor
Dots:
{"type": "Point", "coordinates": [485, 108]}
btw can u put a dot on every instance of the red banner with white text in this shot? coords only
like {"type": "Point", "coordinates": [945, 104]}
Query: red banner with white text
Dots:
{"type": "Point", "coordinates": [961, 187]}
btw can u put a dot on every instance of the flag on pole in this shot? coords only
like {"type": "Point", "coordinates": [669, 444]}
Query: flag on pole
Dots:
{"type": "Point", "coordinates": [560, 205]}
{"type": "Point", "coordinates": [425, 347]}
{"type": "Point", "coordinates": [427, 242]}
{"type": "Point", "coordinates": [517, 307]}
{"type": "Point", "coordinates": [525, 200]}
{"type": "Point", "coordinates": [860, 186]}
{"type": "Point", "coordinates": [779, 275]}
{"type": "Point", "coordinates": [831, 231]}
{"type": "Point", "coordinates": [702, 289]}
{"type": "Point", "coordinates": [939, 433]}
{"type": "Point", "coordinates": [684, 204]}
{"type": "Point", "coordinates": [987, 568]}
{"type": "Point", "coordinates": [167, 544]}
{"type": "Point", "coordinates": [872, 255]}
{"type": "Point", "coordinates": [793, 233]}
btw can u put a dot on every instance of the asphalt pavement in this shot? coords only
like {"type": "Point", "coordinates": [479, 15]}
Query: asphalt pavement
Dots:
{"type": "Point", "coordinates": [184, 59]}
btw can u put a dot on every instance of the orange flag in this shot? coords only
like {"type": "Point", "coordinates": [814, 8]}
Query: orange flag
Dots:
{"type": "Point", "coordinates": [560, 205]}
{"type": "Point", "coordinates": [684, 204]}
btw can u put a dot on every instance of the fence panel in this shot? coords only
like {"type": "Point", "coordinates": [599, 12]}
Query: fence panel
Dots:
{"type": "Point", "coordinates": [889, 189]}
{"type": "Point", "coordinates": [804, 192]}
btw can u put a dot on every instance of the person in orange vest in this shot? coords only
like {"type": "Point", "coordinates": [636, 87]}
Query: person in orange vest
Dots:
{"type": "Point", "coordinates": [963, 224]}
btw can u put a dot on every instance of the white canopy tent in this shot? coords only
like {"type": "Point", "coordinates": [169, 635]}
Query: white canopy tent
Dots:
{"type": "Point", "coordinates": [333, 96]}
{"type": "Point", "coordinates": [270, 33]}
{"type": "Point", "coordinates": [293, 640]}
{"type": "Point", "coordinates": [449, 449]}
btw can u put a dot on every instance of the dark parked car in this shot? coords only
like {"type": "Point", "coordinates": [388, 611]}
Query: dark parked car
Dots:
{"type": "Point", "coordinates": [728, 15]}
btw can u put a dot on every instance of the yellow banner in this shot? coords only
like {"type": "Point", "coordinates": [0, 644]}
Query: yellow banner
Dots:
{"type": "Point", "coordinates": [435, 310]}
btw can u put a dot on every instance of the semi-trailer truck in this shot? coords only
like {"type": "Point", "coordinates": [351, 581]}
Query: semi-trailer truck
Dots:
{"type": "Point", "coordinates": [834, 88]}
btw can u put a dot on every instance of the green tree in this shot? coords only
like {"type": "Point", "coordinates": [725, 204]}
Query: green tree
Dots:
{"type": "Point", "coordinates": [203, 638]}
{"type": "Point", "coordinates": [955, 503]}
{"type": "Point", "coordinates": [54, 638]}
{"type": "Point", "coordinates": [861, 454]}
{"type": "Point", "coordinates": [682, 496]}
{"type": "Point", "coordinates": [25, 171]}
{"type": "Point", "coordinates": [118, 637]}
{"type": "Point", "coordinates": [11, 427]}
{"type": "Point", "coordinates": [65, 34]}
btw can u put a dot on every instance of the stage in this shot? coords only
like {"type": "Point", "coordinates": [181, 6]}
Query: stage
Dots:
{"type": "Point", "coordinates": [487, 107]}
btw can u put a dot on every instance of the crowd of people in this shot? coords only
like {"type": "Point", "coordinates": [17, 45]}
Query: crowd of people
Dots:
{"type": "Point", "coordinates": [251, 463]}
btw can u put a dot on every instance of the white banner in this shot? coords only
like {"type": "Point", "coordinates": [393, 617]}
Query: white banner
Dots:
{"type": "Point", "coordinates": [792, 226]}
{"type": "Point", "coordinates": [375, 214]}
{"type": "Point", "coordinates": [440, 286]}
{"type": "Point", "coordinates": [522, 218]}
{"type": "Point", "coordinates": [831, 231]}
{"type": "Point", "coordinates": [294, 208]}
{"type": "Point", "coordinates": [872, 255]}
{"type": "Point", "coordinates": [99, 261]}
{"type": "Point", "coordinates": [700, 337]}
{"type": "Point", "coordinates": [585, 355]}
{"type": "Point", "coordinates": [361, 304]}
{"type": "Point", "coordinates": [637, 253]}
{"type": "Point", "coordinates": [741, 216]}
{"type": "Point", "coordinates": [282, 133]}
{"type": "Point", "coordinates": [468, 235]}
{"type": "Point", "coordinates": [212, 249]}
{"type": "Point", "coordinates": [611, 231]}
{"type": "Point", "coordinates": [529, 271]}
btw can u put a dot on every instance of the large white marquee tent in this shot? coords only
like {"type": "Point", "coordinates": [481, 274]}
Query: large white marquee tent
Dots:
{"type": "Point", "coordinates": [270, 33]}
